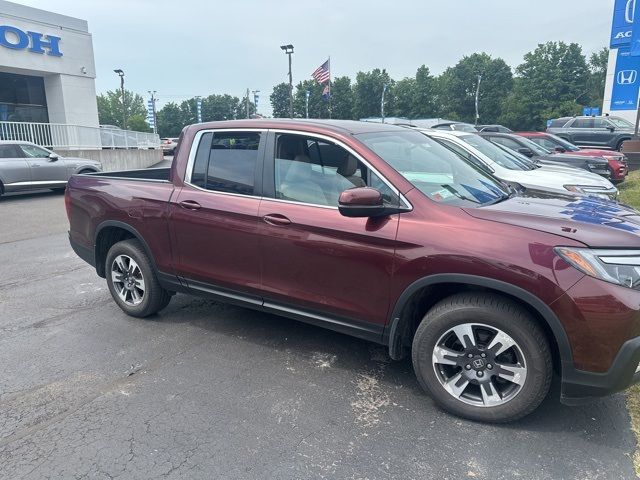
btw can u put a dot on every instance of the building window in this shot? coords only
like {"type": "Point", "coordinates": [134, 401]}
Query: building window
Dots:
{"type": "Point", "coordinates": [22, 98]}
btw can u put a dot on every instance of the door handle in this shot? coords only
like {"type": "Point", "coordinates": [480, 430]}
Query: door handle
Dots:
{"type": "Point", "coordinates": [276, 219]}
{"type": "Point", "coordinates": [190, 205]}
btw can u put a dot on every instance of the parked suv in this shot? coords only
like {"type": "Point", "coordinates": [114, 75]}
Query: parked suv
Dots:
{"type": "Point", "coordinates": [380, 232]}
{"type": "Point", "coordinates": [618, 165]}
{"type": "Point", "coordinates": [540, 154]}
{"type": "Point", "coordinates": [599, 132]}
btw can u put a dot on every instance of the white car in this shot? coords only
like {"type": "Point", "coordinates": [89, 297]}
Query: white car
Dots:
{"type": "Point", "coordinates": [510, 167]}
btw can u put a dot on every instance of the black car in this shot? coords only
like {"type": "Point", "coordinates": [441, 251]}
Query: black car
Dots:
{"type": "Point", "coordinates": [541, 155]}
{"type": "Point", "coordinates": [600, 132]}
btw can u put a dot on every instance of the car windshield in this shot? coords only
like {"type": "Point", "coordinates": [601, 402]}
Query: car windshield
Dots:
{"type": "Point", "coordinates": [434, 170]}
{"type": "Point", "coordinates": [537, 149]}
{"type": "Point", "coordinates": [561, 142]}
{"type": "Point", "coordinates": [621, 122]}
{"type": "Point", "coordinates": [493, 152]}
{"type": "Point", "coordinates": [463, 127]}
{"type": "Point", "coordinates": [525, 161]}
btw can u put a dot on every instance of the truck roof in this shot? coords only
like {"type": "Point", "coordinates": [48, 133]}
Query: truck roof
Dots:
{"type": "Point", "coordinates": [336, 126]}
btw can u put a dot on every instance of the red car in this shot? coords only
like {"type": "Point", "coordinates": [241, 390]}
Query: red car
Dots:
{"type": "Point", "coordinates": [380, 232]}
{"type": "Point", "coordinates": [617, 161]}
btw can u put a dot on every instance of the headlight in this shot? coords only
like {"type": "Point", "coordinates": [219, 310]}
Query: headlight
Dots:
{"type": "Point", "coordinates": [574, 188]}
{"type": "Point", "coordinates": [621, 267]}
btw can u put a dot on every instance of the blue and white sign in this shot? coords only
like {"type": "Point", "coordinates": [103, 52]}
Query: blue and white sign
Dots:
{"type": "Point", "coordinates": [16, 39]}
{"type": "Point", "coordinates": [625, 82]}
{"type": "Point", "coordinates": [622, 27]}
{"type": "Point", "coordinates": [591, 111]}
{"type": "Point", "coordinates": [199, 109]}
{"type": "Point", "coordinates": [150, 117]}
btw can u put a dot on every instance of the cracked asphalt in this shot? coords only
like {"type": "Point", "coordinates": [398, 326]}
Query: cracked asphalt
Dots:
{"type": "Point", "coordinates": [206, 390]}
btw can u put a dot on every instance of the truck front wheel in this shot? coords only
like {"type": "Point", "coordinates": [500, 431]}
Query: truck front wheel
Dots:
{"type": "Point", "coordinates": [132, 281]}
{"type": "Point", "coordinates": [482, 357]}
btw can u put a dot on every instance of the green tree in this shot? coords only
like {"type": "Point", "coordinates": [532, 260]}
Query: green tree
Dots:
{"type": "Point", "coordinates": [138, 123]}
{"type": "Point", "coordinates": [550, 83]}
{"type": "Point", "coordinates": [170, 120]}
{"type": "Point", "coordinates": [280, 100]}
{"type": "Point", "coordinates": [405, 97]}
{"type": "Point", "coordinates": [110, 109]}
{"type": "Point", "coordinates": [318, 106]}
{"type": "Point", "coordinates": [598, 63]}
{"type": "Point", "coordinates": [341, 98]}
{"type": "Point", "coordinates": [367, 94]}
{"type": "Point", "coordinates": [425, 99]}
{"type": "Point", "coordinates": [460, 82]}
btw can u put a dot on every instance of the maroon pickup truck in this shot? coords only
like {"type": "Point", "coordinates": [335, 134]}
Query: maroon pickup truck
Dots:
{"type": "Point", "coordinates": [379, 232]}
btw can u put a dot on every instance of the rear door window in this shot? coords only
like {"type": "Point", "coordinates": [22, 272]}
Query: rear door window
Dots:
{"type": "Point", "coordinates": [582, 123]}
{"type": "Point", "coordinates": [227, 162]}
{"type": "Point", "coordinates": [10, 151]}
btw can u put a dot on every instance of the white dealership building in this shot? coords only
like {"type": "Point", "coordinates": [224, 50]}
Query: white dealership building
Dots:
{"type": "Point", "coordinates": [47, 69]}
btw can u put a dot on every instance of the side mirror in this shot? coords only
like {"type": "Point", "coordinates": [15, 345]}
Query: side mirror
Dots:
{"type": "Point", "coordinates": [560, 149]}
{"type": "Point", "coordinates": [611, 128]}
{"type": "Point", "coordinates": [54, 157]}
{"type": "Point", "coordinates": [526, 151]}
{"type": "Point", "coordinates": [364, 202]}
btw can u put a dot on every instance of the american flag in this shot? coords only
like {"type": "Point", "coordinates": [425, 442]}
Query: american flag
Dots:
{"type": "Point", "coordinates": [322, 73]}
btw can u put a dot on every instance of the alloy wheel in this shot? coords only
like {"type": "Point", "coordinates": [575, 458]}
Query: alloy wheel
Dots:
{"type": "Point", "coordinates": [479, 365]}
{"type": "Point", "coordinates": [128, 280]}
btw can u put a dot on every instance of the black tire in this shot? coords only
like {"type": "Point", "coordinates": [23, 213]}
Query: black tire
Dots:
{"type": "Point", "coordinates": [619, 145]}
{"type": "Point", "coordinates": [493, 311]}
{"type": "Point", "coordinates": [154, 297]}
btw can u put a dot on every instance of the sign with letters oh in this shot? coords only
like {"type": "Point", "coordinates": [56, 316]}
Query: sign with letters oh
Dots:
{"type": "Point", "coordinates": [16, 39]}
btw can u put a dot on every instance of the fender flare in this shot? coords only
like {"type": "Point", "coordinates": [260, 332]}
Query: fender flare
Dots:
{"type": "Point", "coordinates": [391, 332]}
{"type": "Point", "coordinates": [124, 226]}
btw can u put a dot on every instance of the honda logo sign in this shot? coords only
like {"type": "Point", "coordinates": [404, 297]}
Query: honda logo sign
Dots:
{"type": "Point", "coordinates": [627, 77]}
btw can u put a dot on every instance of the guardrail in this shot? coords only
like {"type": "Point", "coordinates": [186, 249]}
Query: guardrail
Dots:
{"type": "Point", "coordinates": [66, 136]}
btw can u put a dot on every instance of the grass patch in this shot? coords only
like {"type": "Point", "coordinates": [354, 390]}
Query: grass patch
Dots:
{"type": "Point", "coordinates": [630, 190]}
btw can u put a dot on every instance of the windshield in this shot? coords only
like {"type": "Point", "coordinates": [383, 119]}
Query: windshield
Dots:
{"type": "Point", "coordinates": [525, 161]}
{"type": "Point", "coordinates": [561, 142]}
{"type": "Point", "coordinates": [537, 149]}
{"type": "Point", "coordinates": [493, 152]}
{"type": "Point", "coordinates": [621, 122]}
{"type": "Point", "coordinates": [434, 170]}
{"type": "Point", "coordinates": [463, 127]}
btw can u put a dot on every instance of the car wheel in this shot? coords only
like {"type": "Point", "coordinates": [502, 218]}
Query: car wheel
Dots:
{"type": "Point", "coordinates": [619, 145]}
{"type": "Point", "coordinates": [482, 357]}
{"type": "Point", "coordinates": [132, 281]}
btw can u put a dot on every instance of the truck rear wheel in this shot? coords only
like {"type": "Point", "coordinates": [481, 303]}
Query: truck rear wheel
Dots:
{"type": "Point", "coordinates": [132, 281]}
{"type": "Point", "coordinates": [482, 357]}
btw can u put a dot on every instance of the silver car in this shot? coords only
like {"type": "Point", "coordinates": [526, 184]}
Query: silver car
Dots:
{"type": "Point", "coordinates": [27, 166]}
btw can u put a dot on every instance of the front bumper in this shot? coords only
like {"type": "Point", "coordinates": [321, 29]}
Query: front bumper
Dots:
{"type": "Point", "coordinates": [580, 387]}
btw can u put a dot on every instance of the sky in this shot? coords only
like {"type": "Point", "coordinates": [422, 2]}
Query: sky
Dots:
{"type": "Point", "coordinates": [189, 47]}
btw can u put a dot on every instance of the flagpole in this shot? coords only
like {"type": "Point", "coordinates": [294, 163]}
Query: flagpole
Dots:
{"type": "Point", "coordinates": [330, 87]}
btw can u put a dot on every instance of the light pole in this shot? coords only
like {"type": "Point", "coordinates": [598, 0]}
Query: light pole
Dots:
{"type": "Point", "coordinates": [306, 103]}
{"type": "Point", "coordinates": [153, 110]}
{"type": "Point", "coordinates": [384, 89]}
{"type": "Point", "coordinates": [477, 98]}
{"type": "Point", "coordinates": [124, 107]}
{"type": "Point", "coordinates": [256, 97]}
{"type": "Point", "coordinates": [288, 49]}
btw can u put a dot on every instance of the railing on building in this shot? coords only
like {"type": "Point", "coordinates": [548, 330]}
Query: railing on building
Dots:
{"type": "Point", "coordinates": [76, 137]}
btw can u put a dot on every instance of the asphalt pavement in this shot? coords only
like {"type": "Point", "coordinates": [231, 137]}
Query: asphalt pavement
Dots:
{"type": "Point", "coordinates": [205, 390]}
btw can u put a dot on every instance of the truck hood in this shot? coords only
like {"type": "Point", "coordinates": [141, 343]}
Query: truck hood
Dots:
{"type": "Point", "coordinates": [592, 221]}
